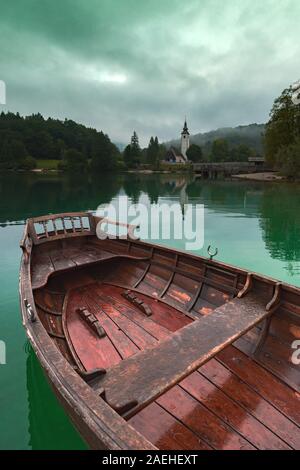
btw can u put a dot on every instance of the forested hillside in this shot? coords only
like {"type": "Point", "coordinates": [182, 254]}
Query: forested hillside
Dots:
{"type": "Point", "coordinates": [251, 136]}
{"type": "Point", "coordinates": [24, 140]}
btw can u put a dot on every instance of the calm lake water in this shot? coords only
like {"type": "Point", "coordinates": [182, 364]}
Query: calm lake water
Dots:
{"type": "Point", "coordinates": [254, 225]}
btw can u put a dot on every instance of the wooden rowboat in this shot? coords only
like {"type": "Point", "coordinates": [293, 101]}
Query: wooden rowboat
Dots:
{"type": "Point", "coordinates": [148, 347]}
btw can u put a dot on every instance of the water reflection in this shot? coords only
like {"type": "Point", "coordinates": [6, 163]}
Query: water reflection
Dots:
{"type": "Point", "coordinates": [25, 195]}
{"type": "Point", "coordinates": [275, 206]}
{"type": "Point", "coordinates": [280, 221]}
{"type": "Point", "coordinates": [254, 225]}
{"type": "Point", "coordinates": [49, 427]}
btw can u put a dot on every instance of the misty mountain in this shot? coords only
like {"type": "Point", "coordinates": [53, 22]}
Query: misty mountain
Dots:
{"type": "Point", "coordinates": [250, 135]}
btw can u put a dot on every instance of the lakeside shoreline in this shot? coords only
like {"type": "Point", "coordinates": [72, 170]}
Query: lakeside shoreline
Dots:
{"type": "Point", "coordinates": [262, 177]}
{"type": "Point", "coordinates": [265, 176]}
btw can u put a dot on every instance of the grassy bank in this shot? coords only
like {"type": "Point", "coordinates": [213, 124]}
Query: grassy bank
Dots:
{"type": "Point", "coordinates": [47, 164]}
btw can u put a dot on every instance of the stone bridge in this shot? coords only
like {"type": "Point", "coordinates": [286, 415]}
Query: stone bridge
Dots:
{"type": "Point", "coordinates": [213, 170]}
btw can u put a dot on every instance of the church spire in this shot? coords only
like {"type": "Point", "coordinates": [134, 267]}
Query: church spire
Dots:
{"type": "Point", "coordinates": [185, 128]}
{"type": "Point", "coordinates": [185, 140]}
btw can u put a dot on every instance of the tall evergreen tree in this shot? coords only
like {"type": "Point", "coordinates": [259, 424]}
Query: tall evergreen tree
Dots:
{"type": "Point", "coordinates": [153, 151]}
{"type": "Point", "coordinates": [132, 153]}
{"type": "Point", "coordinates": [135, 140]}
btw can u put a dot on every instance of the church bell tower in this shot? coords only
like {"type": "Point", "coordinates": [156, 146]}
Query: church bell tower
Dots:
{"type": "Point", "coordinates": [185, 140]}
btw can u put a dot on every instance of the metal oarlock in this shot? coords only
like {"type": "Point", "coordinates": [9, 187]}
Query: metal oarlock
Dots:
{"type": "Point", "coordinates": [212, 255]}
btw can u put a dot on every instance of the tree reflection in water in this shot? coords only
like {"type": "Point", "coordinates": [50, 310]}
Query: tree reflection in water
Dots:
{"type": "Point", "coordinates": [280, 221]}
{"type": "Point", "coordinates": [49, 426]}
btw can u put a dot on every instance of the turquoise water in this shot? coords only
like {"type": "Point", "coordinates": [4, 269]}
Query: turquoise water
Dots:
{"type": "Point", "coordinates": [254, 225]}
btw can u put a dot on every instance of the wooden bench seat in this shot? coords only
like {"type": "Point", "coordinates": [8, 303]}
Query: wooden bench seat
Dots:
{"type": "Point", "coordinates": [140, 379]}
{"type": "Point", "coordinates": [46, 264]}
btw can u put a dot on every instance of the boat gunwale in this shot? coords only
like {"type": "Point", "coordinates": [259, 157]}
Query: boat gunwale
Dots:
{"type": "Point", "coordinates": [215, 263]}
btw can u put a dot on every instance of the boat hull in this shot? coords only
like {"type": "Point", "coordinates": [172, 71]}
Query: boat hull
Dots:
{"type": "Point", "coordinates": [90, 306]}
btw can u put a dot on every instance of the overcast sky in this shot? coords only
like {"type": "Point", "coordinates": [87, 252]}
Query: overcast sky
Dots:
{"type": "Point", "coordinates": [120, 65]}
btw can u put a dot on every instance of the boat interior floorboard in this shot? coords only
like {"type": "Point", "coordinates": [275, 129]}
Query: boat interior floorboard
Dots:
{"type": "Point", "coordinates": [231, 402]}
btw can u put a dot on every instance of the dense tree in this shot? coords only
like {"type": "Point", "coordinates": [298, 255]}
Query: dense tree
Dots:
{"type": "Point", "coordinates": [40, 145]}
{"type": "Point", "coordinates": [280, 222]}
{"type": "Point", "coordinates": [288, 159]}
{"type": "Point", "coordinates": [241, 153]}
{"type": "Point", "coordinates": [282, 134]}
{"type": "Point", "coordinates": [153, 151]}
{"type": "Point", "coordinates": [51, 139]}
{"type": "Point", "coordinates": [194, 153]}
{"type": "Point", "coordinates": [104, 154]}
{"type": "Point", "coordinates": [161, 154]}
{"type": "Point", "coordinates": [19, 151]}
{"type": "Point", "coordinates": [12, 153]}
{"type": "Point", "coordinates": [127, 155]}
{"type": "Point", "coordinates": [220, 150]}
{"type": "Point", "coordinates": [27, 163]}
{"type": "Point", "coordinates": [132, 153]}
{"type": "Point", "coordinates": [6, 156]}
{"type": "Point", "coordinates": [75, 161]}
{"type": "Point", "coordinates": [135, 150]}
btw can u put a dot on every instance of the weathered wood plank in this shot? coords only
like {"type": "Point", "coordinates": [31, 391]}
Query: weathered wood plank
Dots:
{"type": "Point", "coordinates": [165, 431]}
{"type": "Point", "coordinates": [158, 331]}
{"type": "Point", "coordinates": [204, 423]}
{"type": "Point", "coordinates": [284, 398]}
{"type": "Point", "coordinates": [147, 375]}
{"type": "Point", "coordinates": [173, 320]}
{"type": "Point", "coordinates": [165, 318]}
{"type": "Point", "coordinates": [42, 267]}
{"type": "Point", "coordinates": [138, 335]}
{"type": "Point", "coordinates": [67, 259]}
{"type": "Point", "coordinates": [250, 400]}
{"type": "Point", "coordinates": [100, 353]}
{"type": "Point", "coordinates": [119, 339]}
{"type": "Point", "coordinates": [232, 413]}
{"type": "Point", "coordinates": [61, 260]}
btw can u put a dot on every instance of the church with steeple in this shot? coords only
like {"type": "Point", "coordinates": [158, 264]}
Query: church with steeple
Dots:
{"type": "Point", "coordinates": [185, 140]}
{"type": "Point", "coordinates": [173, 155]}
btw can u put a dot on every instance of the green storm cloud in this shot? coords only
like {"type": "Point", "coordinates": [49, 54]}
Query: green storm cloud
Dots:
{"type": "Point", "coordinates": [120, 65]}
